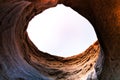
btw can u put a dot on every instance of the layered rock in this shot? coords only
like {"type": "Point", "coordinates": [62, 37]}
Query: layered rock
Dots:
{"type": "Point", "coordinates": [21, 60]}
{"type": "Point", "coordinates": [105, 18]}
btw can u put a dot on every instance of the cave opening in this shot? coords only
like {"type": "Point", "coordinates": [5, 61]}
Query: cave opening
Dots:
{"type": "Point", "coordinates": [24, 61]}
{"type": "Point", "coordinates": [61, 31]}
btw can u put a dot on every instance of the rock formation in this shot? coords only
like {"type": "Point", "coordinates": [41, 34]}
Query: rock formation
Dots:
{"type": "Point", "coordinates": [21, 60]}
{"type": "Point", "coordinates": [105, 18]}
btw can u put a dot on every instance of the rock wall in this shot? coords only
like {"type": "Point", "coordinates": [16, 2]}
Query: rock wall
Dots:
{"type": "Point", "coordinates": [21, 60]}
{"type": "Point", "coordinates": [105, 18]}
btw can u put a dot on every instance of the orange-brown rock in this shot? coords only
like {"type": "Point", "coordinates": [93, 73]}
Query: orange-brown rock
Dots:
{"type": "Point", "coordinates": [105, 18]}
{"type": "Point", "coordinates": [21, 60]}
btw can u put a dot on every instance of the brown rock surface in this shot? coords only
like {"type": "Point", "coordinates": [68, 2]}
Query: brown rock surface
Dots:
{"type": "Point", "coordinates": [21, 60]}
{"type": "Point", "coordinates": [105, 18]}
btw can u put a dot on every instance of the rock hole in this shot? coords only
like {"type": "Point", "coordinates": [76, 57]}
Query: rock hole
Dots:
{"type": "Point", "coordinates": [61, 31]}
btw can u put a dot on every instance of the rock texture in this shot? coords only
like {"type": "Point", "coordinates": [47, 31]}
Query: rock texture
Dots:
{"type": "Point", "coordinates": [105, 17]}
{"type": "Point", "coordinates": [21, 60]}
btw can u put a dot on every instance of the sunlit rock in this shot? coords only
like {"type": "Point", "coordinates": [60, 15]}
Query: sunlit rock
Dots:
{"type": "Point", "coordinates": [21, 60]}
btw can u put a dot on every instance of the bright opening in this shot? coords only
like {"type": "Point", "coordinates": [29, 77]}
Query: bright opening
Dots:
{"type": "Point", "coordinates": [61, 31]}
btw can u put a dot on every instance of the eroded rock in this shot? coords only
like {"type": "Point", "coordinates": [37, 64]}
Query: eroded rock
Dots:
{"type": "Point", "coordinates": [21, 60]}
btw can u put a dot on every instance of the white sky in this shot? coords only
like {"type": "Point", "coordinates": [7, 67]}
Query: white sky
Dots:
{"type": "Point", "coordinates": [61, 31]}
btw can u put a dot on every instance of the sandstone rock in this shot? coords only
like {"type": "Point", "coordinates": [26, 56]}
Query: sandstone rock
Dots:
{"type": "Point", "coordinates": [21, 60]}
